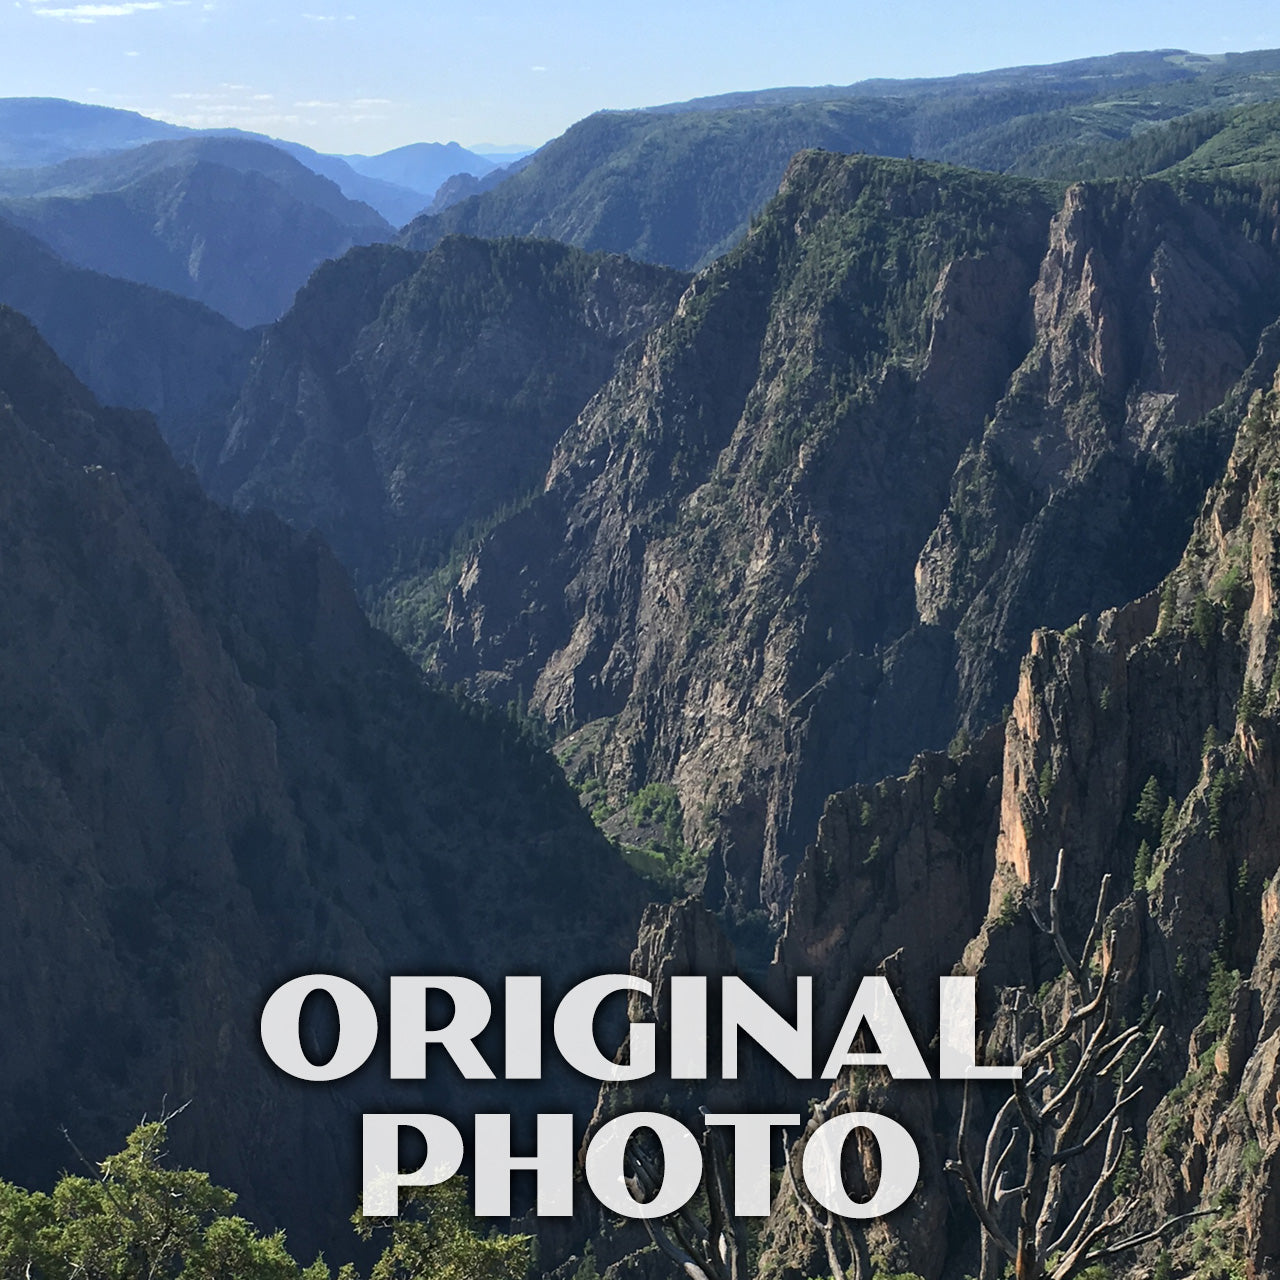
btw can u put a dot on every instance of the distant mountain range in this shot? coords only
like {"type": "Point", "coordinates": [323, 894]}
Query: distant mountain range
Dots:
{"type": "Point", "coordinates": [37, 132]}
{"type": "Point", "coordinates": [232, 219]}
{"type": "Point", "coordinates": [236, 224]}
{"type": "Point", "coordinates": [679, 184]}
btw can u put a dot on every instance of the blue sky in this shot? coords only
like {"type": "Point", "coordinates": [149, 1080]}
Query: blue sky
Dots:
{"type": "Point", "coordinates": [367, 75]}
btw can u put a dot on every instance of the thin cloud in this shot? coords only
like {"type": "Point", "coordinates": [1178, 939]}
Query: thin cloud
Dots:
{"type": "Point", "coordinates": [221, 115]}
{"type": "Point", "coordinates": [92, 12]}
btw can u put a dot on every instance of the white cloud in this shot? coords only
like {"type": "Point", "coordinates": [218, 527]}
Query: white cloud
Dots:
{"type": "Point", "coordinates": [92, 12]}
{"type": "Point", "coordinates": [221, 118]}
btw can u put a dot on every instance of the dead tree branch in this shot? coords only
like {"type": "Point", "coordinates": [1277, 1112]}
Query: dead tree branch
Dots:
{"type": "Point", "coordinates": [1075, 1090]}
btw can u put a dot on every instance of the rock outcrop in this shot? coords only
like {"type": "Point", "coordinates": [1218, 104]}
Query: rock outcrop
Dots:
{"type": "Point", "coordinates": [408, 398]}
{"type": "Point", "coordinates": [809, 528]}
{"type": "Point", "coordinates": [1142, 745]}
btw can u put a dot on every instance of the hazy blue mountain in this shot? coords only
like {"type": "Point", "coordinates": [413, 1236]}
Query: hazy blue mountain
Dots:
{"type": "Point", "coordinates": [111, 171]}
{"type": "Point", "coordinates": [501, 155]}
{"type": "Point", "coordinates": [130, 344]}
{"type": "Point", "coordinates": [36, 132]}
{"type": "Point", "coordinates": [463, 185]}
{"type": "Point", "coordinates": [41, 131]}
{"type": "Point", "coordinates": [233, 223]}
{"type": "Point", "coordinates": [422, 166]}
{"type": "Point", "coordinates": [396, 203]}
{"type": "Point", "coordinates": [1081, 77]}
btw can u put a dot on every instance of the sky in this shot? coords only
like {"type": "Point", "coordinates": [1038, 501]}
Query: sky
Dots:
{"type": "Point", "coordinates": [368, 75]}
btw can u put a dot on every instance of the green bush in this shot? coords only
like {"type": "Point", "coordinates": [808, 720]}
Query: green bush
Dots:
{"type": "Point", "coordinates": [1044, 783]}
{"type": "Point", "coordinates": [1204, 621]}
{"type": "Point", "coordinates": [141, 1220]}
{"type": "Point", "coordinates": [1150, 803]}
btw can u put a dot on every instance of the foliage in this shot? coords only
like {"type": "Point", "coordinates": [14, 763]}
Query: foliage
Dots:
{"type": "Point", "coordinates": [1222, 985]}
{"type": "Point", "coordinates": [1044, 783]}
{"type": "Point", "coordinates": [413, 607]}
{"type": "Point", "coordinates": [1150, 805]}
{"type": "Point", "coordinates": [1204, 621]}
{"type": "Point", "coordinates": [658, 804]}
{"type": "Point", "coordinates": [1221, 787]}
{"type": "Point", "coordinates": [436, 1237]}
{"type": "Point", "coordinates": [1250, 703]}
{"type": "Point", "coordinates": [139, 1219]}
{"type": "Point", "coordinates": [1010, 905]}
{"type": "Point", "coordinates": [1142, 866]}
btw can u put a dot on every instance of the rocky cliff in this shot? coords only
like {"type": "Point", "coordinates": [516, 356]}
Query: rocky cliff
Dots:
{"type": "Point", "coordinates": [808, 528]}
{"type": "Point", "coordinates": [1143, 746]}
{"type": "Point", "coordinates": [406, 398]}
{"type": "Point", "coordinates": [215, 776]}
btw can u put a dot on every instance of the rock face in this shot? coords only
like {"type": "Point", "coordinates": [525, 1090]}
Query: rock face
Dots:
{"type": "Point", "coordinates": [809, 527]}
{"type": "Point", "coordinates": [1144, 747]}
{"type": "Point", "coordinates": [1145, 312]}
{"type": "Point", "coordinates": [407, 397]}
{"type": "Point", "coordinates": [214, 776]}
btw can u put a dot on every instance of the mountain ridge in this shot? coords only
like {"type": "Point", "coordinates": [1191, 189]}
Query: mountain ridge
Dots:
{"type": "Point", "coordinates": [731, 571]}
{"type": "Point", "coordinates": [215, 776]}
{"type": "Point", "coordinates": [237, 225]}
